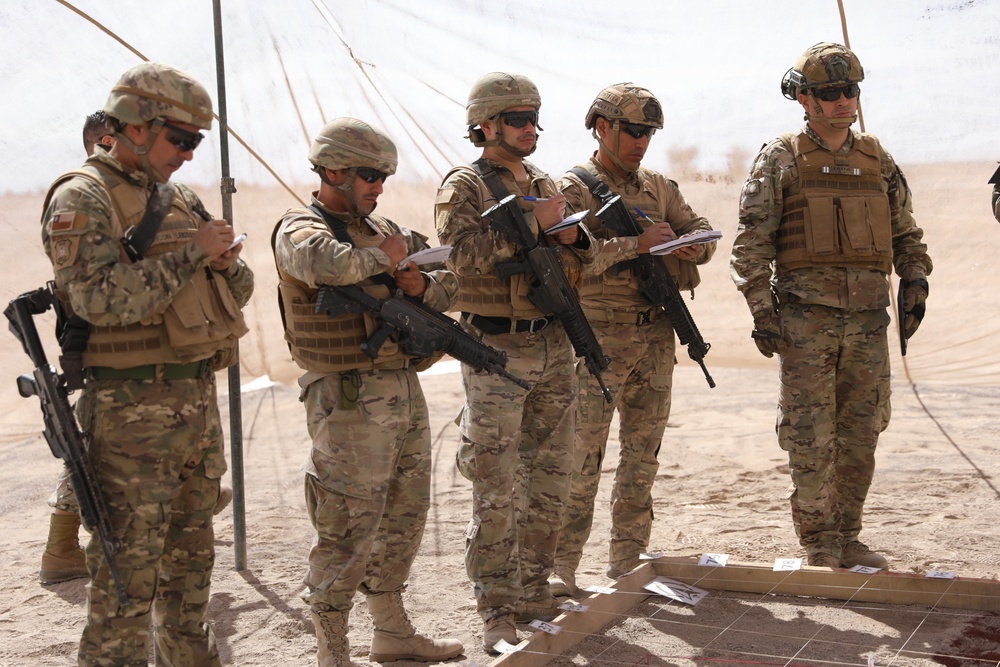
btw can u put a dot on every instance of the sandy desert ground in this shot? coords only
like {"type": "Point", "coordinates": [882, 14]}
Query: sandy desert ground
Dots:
{"type": "Point", "coordinates": [721, 488]}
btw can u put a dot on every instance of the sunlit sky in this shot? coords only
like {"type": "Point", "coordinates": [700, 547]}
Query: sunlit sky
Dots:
{"type": "Point", "coordinates": [932, 91]}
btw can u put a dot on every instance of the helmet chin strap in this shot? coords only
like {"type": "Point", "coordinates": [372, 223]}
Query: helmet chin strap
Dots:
{"type": "Point", "coordinates": [513, 150]}
{"type": "Point", "coordinates": [612, 152]}
{"type": "Point", "coordinates": [817, 116]}
{"type": "Point", "coordinates": [143, 151]}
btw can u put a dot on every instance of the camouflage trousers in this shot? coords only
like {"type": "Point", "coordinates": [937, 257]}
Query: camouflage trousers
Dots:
{"type": "Point", "coordinates": [517, 449]}
{"type": "Point", "coordinates": [157, 449]}
{"type": "Point", "coordinates": [63, 497]}
{"type": "Point", "coordinates": [367, 483]}
{"type": "Point", "coordinates": [833, 404]}
{"type": "Point", "coordinates": [639, 377]}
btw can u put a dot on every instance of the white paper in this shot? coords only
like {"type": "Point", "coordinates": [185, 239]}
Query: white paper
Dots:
{"type": "Point", "coordinates": [864, 569]}
{"type": "Point", "coordinates": [787, 564]}
{"type": "Point", "coordinates": [238, 240]}
{"type": "Point", "coordinates": [572, 606]}
{"type": "Point", "coordinates": [428, 256]}
{"type": "Point", "coordinates": [676, 590]}
{"type": "Point", "coordinates": [545, 627]}
{"type": "Point", "coordinates": [715, 560]}
{"type": "Point", "coordinates": [939, 574]}
{"type": "Point", "coordinates": [600, 589]}
{"type": "Point", "coordinates": [696, 238]}
{"type": "Point", "coordinates": [567, 222]}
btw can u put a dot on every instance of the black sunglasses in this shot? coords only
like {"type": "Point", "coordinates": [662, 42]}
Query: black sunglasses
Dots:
{"type": "Point", "coordinates": [849, 91]}
{"type": "Point", "coordinates": [518, 119]}
{"type": "Point", "coordinates": [370, 175]}
{"type": "Point", "coordinates": [181, 139]}
{"type": "Point", "coordinates": [637, 131]}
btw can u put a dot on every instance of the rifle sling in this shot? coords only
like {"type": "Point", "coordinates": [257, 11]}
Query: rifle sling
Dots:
{"type": "Point", "coordinates": [339, 230]}
{"type": "Point", "coordinates": [142, 235]}
{"type": "Point", "coordinates": [600, 189]}
{"type": "Point", "coordinates": [491, 178]}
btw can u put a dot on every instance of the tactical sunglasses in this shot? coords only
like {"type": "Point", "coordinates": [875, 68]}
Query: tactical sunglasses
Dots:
{"type": "Point", "coordinates": [370, 175]}
{"type": "Point", "coordinates": [833, 94]}
{"type": "Point", "coordinates": [181, 139]}
{"type": "Point", "coordinates": [518, 119]}
{"type": "Point", "coordinates": [637, 131]}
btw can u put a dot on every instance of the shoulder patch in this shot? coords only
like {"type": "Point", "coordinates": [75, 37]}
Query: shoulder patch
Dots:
{"type": "Point", "coordinates": [64, 221]}
{"type": "Point", "coordinates": [444, 195]}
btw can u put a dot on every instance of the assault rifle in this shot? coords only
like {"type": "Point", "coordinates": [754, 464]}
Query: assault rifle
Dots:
{"type": "Point", "coordinates": [422, 330]}
{"type": "Point", "coordinates": [655, 282]}
{"type": "Point", "coordinates": [551, 292]}
{"type": "Point", "coordinates": [62, 433]}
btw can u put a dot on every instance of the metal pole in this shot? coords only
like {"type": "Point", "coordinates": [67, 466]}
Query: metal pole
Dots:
{"type": "Point", "coordinates": [228, 187]}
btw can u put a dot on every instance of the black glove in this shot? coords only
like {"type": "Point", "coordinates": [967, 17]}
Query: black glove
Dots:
{"type": "Point", "coordinates": [914, 295]}
{"type": "Point", "coordinates": [767, 333]}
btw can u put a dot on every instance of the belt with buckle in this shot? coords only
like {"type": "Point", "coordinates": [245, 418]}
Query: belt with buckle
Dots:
{"type": "Point", "coordinates": [504, 325]}
{"type": "Point", "coordinates": [190, 371]}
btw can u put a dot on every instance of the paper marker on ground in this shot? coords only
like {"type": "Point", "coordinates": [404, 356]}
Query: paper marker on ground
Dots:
{"type": "Point", "coordinates": [572, 606]}
{"type": "Point", "coordinates": [716, 560]}
{"type": "Point", "coordinates": [787, 564]}
{"type": "Point", "coordinates": [938, 574]}
{"type": "Point", "coordinates": [864, 569]}
{"type": "Point", "coordinates": [503, 647]}
{"type": "Point", "coordinates": [545, 627]}
{"type": "Point", "coordinates": [676, 590]}
{"type": "Point", "coordinates": [600, 589]}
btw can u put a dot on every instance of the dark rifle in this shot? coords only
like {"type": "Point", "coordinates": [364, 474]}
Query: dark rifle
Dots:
{"type": "Point", "coordinates": [551, 291]}
{"type": "Point", "coordinates": [62, 433]}
{"type": "Point", "coordinates": [655, 282]}
{"type": "Point", "coordinates": [422, 330]}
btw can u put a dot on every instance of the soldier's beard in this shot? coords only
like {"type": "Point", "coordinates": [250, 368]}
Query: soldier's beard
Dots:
{"type": "Point", "coordinates": [517, 152]}
{"type": "Point", "coordinates": [843, 123]}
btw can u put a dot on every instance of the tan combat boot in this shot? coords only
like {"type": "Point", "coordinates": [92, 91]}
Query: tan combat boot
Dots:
{"type": "Point", "coordinates": [63, 558]}
{"type": "Point", "coordinates": [562, 583]}
{"type": "Point", "coordinates": [858, 553]}
{"type": "Point", "coordinates": [333, 649]}
{"type": "Point", "coordinates": [395, 638]}
{"type": "Point", "coordinates": [497, 628]}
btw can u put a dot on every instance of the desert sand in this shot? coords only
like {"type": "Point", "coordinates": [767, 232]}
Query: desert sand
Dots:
{"type": "Point", "coordinates": [722, 485]}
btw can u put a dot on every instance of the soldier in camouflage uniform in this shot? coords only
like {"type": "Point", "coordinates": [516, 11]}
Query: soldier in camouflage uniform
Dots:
{"type": "Point", "coordinates": [158, 328]}
{"type": "Point", "coordinates": [825, 216]}
{"type": "Point", "coordinates": [995, 198]}
{"type": "Point", "coordinates": [636, 335]}
{"type": "Point", "coordinates": [63, 558]}
{"type": "Point", "coordinates": [367, 480]}
{"type": "Point", "coordinates": [516, 444]}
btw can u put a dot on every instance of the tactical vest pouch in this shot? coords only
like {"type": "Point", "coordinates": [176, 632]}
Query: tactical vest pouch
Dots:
{"type": "Point", "coordinates": [201, 316]}
{"type": "Point", "coordinates": [848, 225]}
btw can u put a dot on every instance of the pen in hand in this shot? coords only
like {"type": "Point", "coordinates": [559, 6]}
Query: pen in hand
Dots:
{"type": "Point", "coordinates": [530, 198]}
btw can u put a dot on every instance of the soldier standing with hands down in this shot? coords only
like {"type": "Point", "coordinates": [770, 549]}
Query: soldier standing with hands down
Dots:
{"type": "Point", "coordinates": [159, 325]}
{"type": "Point", "coordinates": [367, 480]}
{"type": "Point", "coordinates": [825, 216]}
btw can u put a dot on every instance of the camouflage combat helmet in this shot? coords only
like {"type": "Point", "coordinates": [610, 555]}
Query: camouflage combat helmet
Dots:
{"type": "Point", "coordinates": [152, 90]}
{"type": "Point", "coordinates": [626, 102]}
{"type": "Point", "coordinates": [823, 64]}
{"type": "Point", "coordinates": [497, 91]}
{"type": "Point", "coordinates": [346, 143]}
